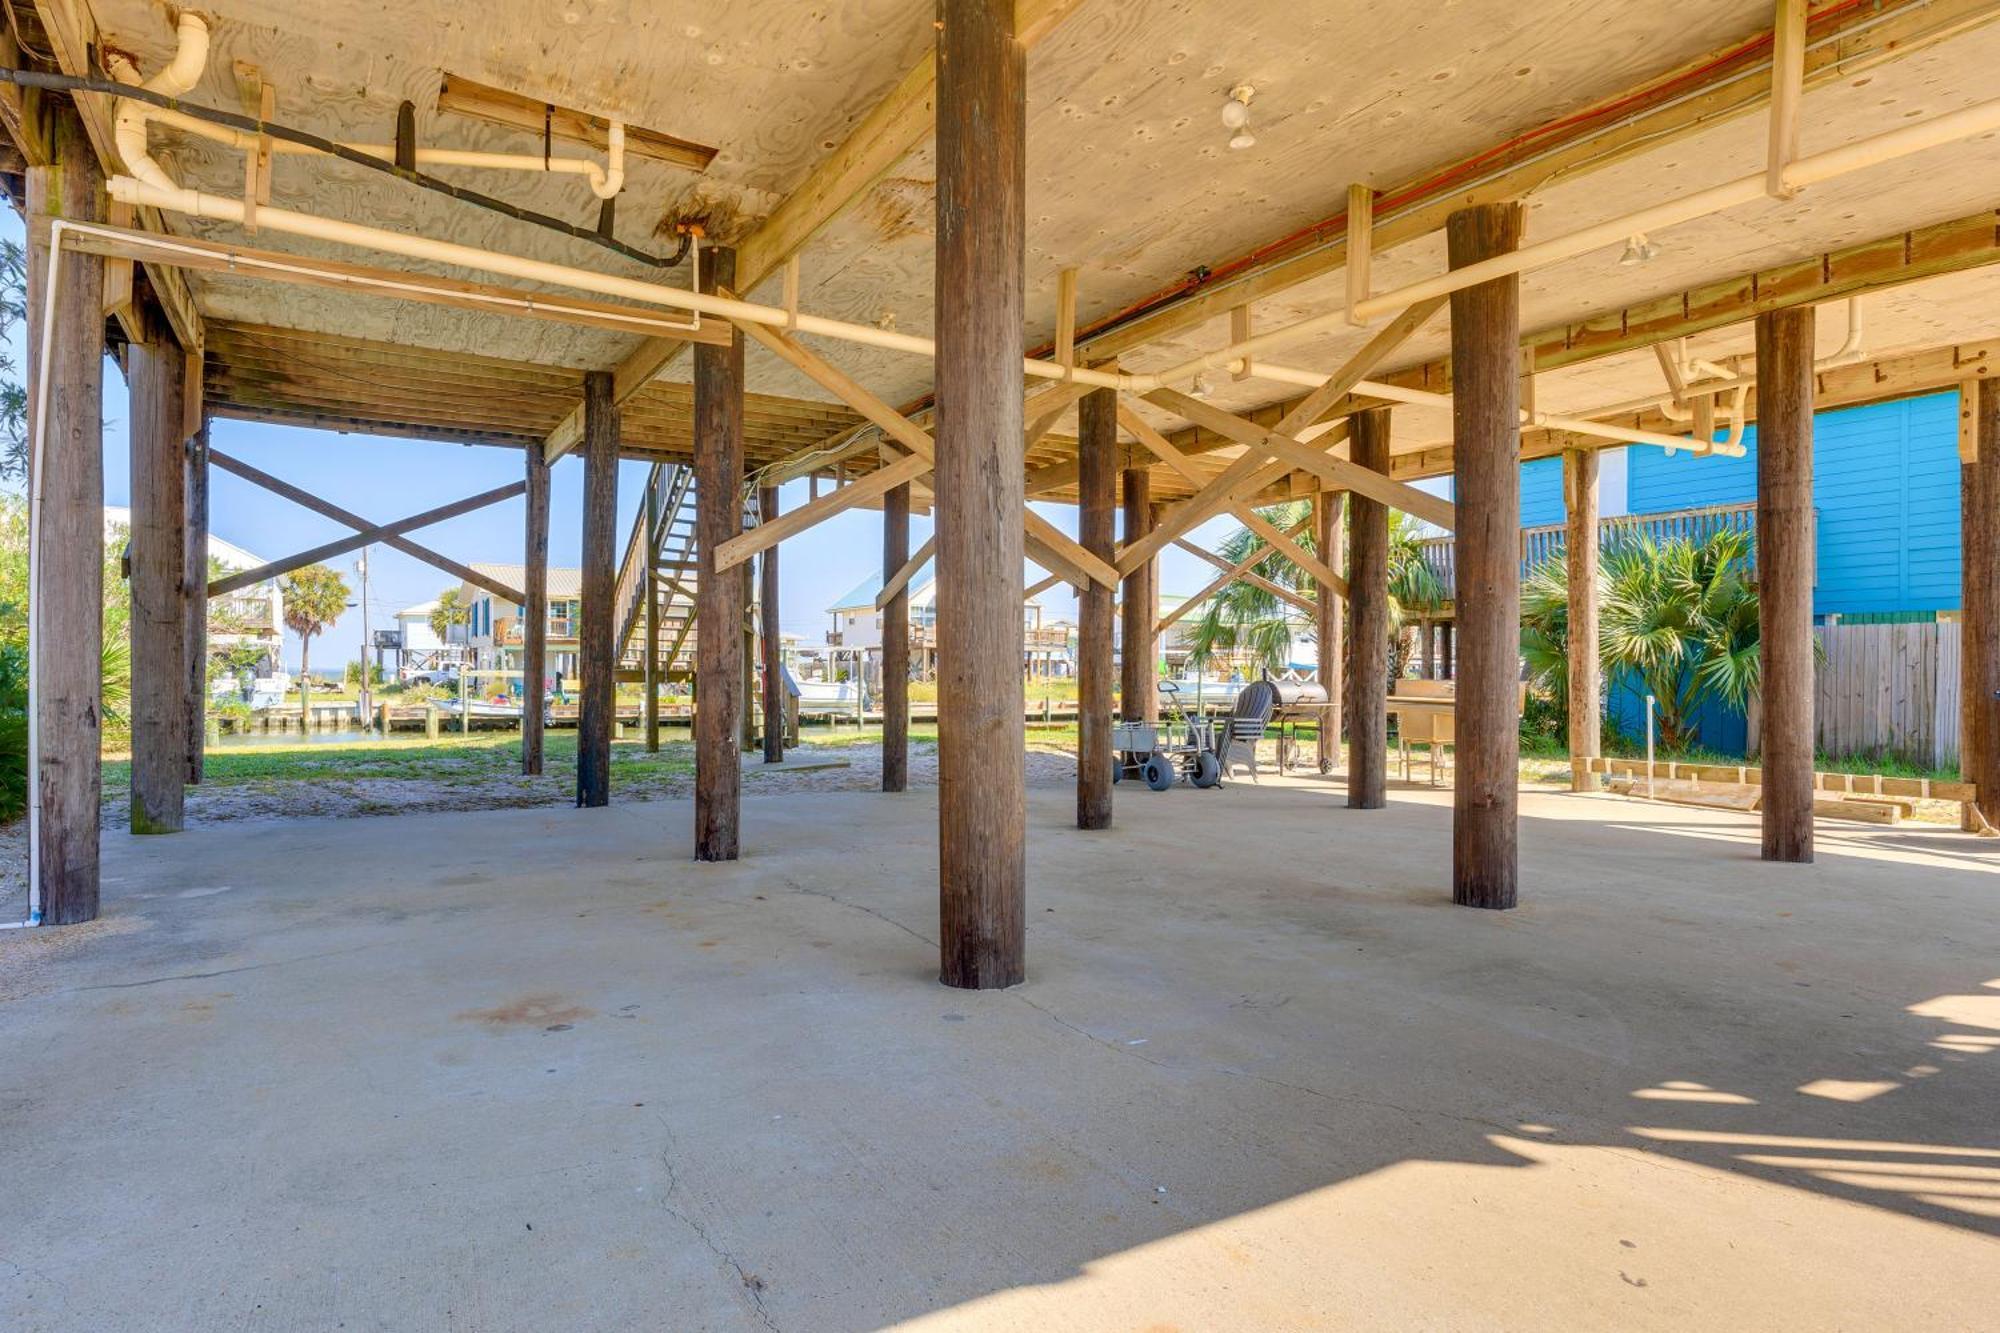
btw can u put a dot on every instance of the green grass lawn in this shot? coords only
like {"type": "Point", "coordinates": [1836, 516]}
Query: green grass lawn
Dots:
{"type": "Point", "coordinates": [450, 760]}
{"type": "Point", "coordinates": [462, 760]}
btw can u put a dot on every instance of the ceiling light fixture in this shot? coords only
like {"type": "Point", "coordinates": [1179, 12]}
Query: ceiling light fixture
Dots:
{"type": "Point", "coordinates": [1236, 116]}
{"type": "Point", "coordinates": [1639, 250]}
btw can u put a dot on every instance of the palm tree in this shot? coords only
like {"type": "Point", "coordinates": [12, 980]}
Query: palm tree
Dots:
{"type": "Point", "coordinates": [1249, 617]}
{"type": "Point", "coordinates": [1680, 615]}
{"type": "Point", "coordinates": [1246, 616]}
{"type": "Point", "coordinates": [450, 610]}
{"type": "Point", "coordinates": [314, 598]}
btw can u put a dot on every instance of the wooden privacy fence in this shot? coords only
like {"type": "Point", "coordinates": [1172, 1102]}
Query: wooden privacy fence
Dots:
{"type": "Point", "coordinates": [1889, 689]}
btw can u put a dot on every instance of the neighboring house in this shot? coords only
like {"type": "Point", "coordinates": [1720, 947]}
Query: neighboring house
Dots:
{"type": "Point", "coordinates": [1886, 505]}
{"type": "Point", "coordinates": [249, 617]}
{"type": "Point", "coordinates": [854, 644]}
{"type": "Point", "coordinates": [418, 647]}
{"type": "Point", "coordinates": [491, 632]}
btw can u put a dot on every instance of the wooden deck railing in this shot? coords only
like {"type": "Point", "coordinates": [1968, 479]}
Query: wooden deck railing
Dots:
{"type": "Point", "coordinates": [1540, 543]}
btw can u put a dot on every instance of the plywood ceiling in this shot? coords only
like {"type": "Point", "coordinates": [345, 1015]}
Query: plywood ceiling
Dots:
{"type": "Point", "coordinates": [1130, 180]}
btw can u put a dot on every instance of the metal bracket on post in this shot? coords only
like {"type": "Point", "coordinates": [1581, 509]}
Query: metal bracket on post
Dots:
{"type": "Point", "coordinates": [406, 136]}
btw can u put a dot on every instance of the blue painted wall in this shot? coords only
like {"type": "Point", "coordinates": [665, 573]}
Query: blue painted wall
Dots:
{"type": "Point", "coordinates": [1717, 726]}
{"type": "Point", "coordinates": [1885, 481]}
{"type": "Point", "coordinates": [1541, 492]}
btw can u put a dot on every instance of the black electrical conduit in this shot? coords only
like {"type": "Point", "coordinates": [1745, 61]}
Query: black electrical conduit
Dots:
{"type": "Point", "coordinates": [65, 83]}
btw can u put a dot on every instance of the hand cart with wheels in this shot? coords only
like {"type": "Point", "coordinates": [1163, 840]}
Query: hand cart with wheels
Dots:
{"type": "Point", "coordinates": [1182, 750]}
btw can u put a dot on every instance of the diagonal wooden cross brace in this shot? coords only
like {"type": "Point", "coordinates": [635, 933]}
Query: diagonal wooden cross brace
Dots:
{"type": "Point", "coordinates": [1163, 449]}
{"type": "Point", "coordinates": [1048, 545]}
{"type": "Point", "coordinates": [389, 534]}
{"type": "Point", "coordinates": [1250, 576]}
{"type": "Point", "coordinates": [901, 578]}
{"type": "Point", "coordinates": [1230, 573]}
{"type": "Point", "coordinates": [1338, 473]}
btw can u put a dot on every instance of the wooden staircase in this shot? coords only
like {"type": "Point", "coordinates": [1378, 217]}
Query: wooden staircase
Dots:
{"type": "Point", "coordinates": [667, 519]}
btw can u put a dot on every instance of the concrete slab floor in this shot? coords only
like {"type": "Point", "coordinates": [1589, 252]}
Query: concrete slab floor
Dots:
{"type": "Point", "coordinates": [535, 1070]}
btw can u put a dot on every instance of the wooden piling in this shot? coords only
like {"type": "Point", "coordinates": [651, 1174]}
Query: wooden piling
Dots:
{"type": "Point", "coordinates": [1979, 744]}
{"type": "Point", "coordinates": [535, 614]}
{"type": "Point", "coordinates": [649, 625]}
{"type": "Point", "coordinates": [1139, 607]}
{"type": "Point", "coordinates": [1329, 530]}
{"type": "Point", "coordinates": [69, 527]}
{"type": "Point", "coordinates": [596, 647]}
{"type": "Point", "coordinates": [194, 600]}
{"type": "Point", "coordinates": [155, 370]}
{"type": "Point", "coordinates": [981, 149]}
{"type": "Point", "coordinates": [1785, 559]}
{"type": "Point", "coordinates": [719, 597]}
{"type": "Point", "coordinates": [771, 635]}
{"type": "Point", "coordinates": [1486, 449]}
{"type": "Point", "coordinates": [1368, 621]}
{"type": "Point", "coordinates": [1097, 498]}
{"type": "Point", "coordinates": [896, 643]}
{"type": "Point", "coordinates": [1586, 676]}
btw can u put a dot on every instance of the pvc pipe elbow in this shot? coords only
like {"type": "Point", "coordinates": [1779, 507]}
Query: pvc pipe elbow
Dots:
{"type": "Point", "coordinates": [608, 182]}
{"type": "Point", "coordinates": [190, 58]}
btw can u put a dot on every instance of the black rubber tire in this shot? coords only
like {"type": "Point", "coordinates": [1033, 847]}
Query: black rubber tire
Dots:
{"type": "Point", "coordinates": [1159, 772]}
{"type": "Point", "coordinates": [1207, 772]}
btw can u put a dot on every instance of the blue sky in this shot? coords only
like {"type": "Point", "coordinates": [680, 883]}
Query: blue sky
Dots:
{"type": "Point", "coordinates": [386, 479]}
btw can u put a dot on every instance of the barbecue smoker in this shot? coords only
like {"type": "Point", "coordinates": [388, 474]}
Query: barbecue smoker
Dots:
{"type": "Point", "coordinates": [1295, 704]}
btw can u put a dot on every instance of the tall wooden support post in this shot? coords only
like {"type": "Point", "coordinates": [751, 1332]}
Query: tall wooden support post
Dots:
{"type": "Point", "coordinates": [156, 371]}
{"type": "Point", "coordinates": [1139, 607]}
{"type": "Point", "coordinates": [68, 635]}
{"type": "Point", "coordinates": [1586, 672]}
{"type": "Point", "coordinates": [195, 566]}
{"type": "Point", "coordinates": [982, 740]}
{"type": "Point", "coordinates": [1426, 649]}
{"type": "Point", "coordinates": [768, 632]}
{"type": "Point", "coordinates": [596, 646]}
{"type": "Point", "coordinates": [719, 597]}
{"type": "Point", "coordinates": [896, 643]}
{"type": "Point", "coordinates": [1447, 651]}
{"type": "Point", "coordinates": [649, 578]}
{"type": "Point", "coordinates": [1329, 533]}
{"type": "Point", "coordinates": [1368, 621]}
{"type": "Point", "coordinates": [746, 719]}
{"type": "Point", "coordinates": [1785, 577]}
{"type": "Point", "coordinates": [535, 614]}
{"type": "Point", "coordinates": [1097, 500]}
{"type": "Point", "coordinates": [1979, 566]}
{"type": "Point", "coordinates": [1486, 446]}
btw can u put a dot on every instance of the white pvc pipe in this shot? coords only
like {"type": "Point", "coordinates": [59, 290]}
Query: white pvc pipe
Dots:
{"type": "Point", "coordinates": [174, 78]}
{"type": "Point", "coordinates": [1981, 118]}
{"type": "Point", "coordinates": [1395, 393]}
{"type": "Point", "coordinates": [185, 69]}
{"type": "Point", "coordinates": [412, 285]}
{"type": "Point", "coordinates": [1649, 747]}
